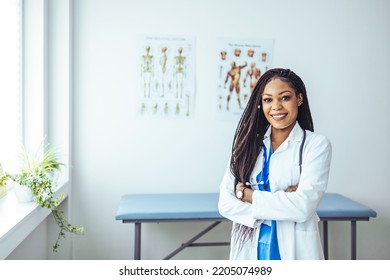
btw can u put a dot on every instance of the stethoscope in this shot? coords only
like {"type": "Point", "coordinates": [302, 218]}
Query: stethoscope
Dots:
{"type": "Point", "coordinates": [300, 160]}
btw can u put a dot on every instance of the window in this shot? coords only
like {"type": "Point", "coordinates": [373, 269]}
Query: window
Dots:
{"type": "Point", "coordinates": [38, 84]}
{"type": "Point", "coordinates": [10, 83]}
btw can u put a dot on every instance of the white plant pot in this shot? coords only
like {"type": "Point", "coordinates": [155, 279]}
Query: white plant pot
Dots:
{"type": "Point", "coordinates": [23, 193]}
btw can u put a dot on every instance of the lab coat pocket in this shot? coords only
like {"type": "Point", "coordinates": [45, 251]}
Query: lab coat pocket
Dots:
{"type": "Point", "coordinates": [307, 240]}
{"type": "Point", "coordinates": [308, 245]}
{"type": "Point", "coordinates": [309, 225]}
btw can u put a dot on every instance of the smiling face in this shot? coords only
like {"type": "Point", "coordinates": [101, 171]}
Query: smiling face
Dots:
{"type": "Point", "coordinates": [280, 105]}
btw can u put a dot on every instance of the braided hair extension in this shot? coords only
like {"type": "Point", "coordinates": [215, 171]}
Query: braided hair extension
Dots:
{"type": "Point", "coordinates": [250, 131]}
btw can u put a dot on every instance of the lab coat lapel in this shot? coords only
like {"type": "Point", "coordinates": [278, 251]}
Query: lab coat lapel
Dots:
{"type": "Point", "coordinates": [257, 168]}
{"type": "Point", "coordinates": [260, 159]}
{"type": "Point", "coordinates": [295, 135]}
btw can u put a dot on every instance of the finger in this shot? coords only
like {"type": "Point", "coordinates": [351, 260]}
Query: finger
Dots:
{"type": "Point", "coordinates": [239, 184]}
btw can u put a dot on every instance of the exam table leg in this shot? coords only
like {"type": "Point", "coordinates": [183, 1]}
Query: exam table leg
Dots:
{"type": "Point", "coordinates": [325, 237]}
{"type": "Point", "coordinates": [137, 241]}
{"type": "Point", "coordinates": [353, 240]}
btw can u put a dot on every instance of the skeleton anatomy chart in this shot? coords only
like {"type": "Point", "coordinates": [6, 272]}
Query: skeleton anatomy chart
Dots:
{"type": "Point", "coordinates": [167, 82]}
{"type": "Point", "coordinates": [240, 63]}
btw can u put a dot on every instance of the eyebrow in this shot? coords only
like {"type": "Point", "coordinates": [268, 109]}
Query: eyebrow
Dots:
{"type": "Point", "coordinates": [268, 94]}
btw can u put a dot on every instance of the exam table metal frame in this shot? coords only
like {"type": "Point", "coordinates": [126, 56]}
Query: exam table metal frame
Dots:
{"type": "Point", "coordinates": [132, 209]}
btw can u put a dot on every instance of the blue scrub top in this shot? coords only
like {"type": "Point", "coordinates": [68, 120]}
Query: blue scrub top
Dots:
{"type": "Point", "coordinates": [267, 248]}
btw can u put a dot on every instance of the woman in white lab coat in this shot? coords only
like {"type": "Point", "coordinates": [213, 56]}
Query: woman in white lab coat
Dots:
{"type": "Point", "coordinates": [277, 174]}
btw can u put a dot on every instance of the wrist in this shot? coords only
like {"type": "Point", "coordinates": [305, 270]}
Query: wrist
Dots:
{"type": "Point", "coordinates": [240, 192]}
{"type": "Point", "coordinates": [243, 193]}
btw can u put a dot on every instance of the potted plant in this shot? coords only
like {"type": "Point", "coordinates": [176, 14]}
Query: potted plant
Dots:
{"type": "Point", "coordinates": [38, 175]}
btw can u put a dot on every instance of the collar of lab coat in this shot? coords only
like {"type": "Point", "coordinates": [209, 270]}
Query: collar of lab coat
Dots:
{"type": "Point", "coordinates": [295, 135]}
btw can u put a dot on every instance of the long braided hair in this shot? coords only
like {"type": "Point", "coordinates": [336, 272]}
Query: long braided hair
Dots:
{"type": "Point", "coordinates": [250, 131]}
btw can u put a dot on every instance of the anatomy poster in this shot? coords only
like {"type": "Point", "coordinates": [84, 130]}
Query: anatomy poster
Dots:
{"type": "Point", "coordinates": [166, 76]}
{"type": "Point", "coordinates": [240, 63]}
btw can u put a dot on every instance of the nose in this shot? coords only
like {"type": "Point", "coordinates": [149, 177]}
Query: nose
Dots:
{"type": "Point", "coordinates": [276, 105]}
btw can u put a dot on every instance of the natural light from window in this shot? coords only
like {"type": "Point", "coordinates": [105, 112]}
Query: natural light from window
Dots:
{"type": "Point", "coordinates": [10, 83]}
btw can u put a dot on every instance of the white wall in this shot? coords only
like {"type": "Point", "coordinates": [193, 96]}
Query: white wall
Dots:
{"type": "Point", "coordinates": [339, 48]}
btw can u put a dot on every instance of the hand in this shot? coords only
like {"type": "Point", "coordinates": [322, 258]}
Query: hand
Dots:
{"type": "Point", "coordinates": [239, 186]}
{"type": "Point", "coordinates": [292, 188]}
{"type": "Point", "coordinates": [248, 192]}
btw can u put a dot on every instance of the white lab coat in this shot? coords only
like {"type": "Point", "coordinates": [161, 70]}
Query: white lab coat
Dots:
{"type": "Point", "coordinates": [294, 212]}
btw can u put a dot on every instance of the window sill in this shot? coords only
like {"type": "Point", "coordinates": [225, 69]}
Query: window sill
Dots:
{"type": "Point", "coordinates": [18, 220]}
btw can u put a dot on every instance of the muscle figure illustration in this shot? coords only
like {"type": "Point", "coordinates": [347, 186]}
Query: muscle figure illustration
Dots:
{"type": "Point", "coordinates": [253, 74]}
{"type": "Point", "coordinates": [234, 74]}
